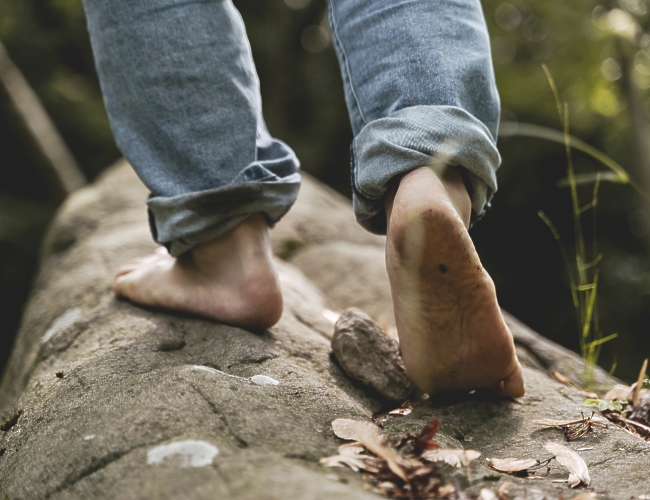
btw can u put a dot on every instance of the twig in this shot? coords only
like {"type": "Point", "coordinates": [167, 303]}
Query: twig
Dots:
{"type": "Point", "coordinates": [639, 384]}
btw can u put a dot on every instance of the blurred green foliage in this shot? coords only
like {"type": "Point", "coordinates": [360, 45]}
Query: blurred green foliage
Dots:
{"type": "Point", "coordinates": [587, 45]}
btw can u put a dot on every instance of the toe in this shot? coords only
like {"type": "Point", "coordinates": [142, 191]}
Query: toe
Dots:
{"type": "Point", "coordinates": [119, 285]}
{"type": "Point", "coordinates": [513, 385]}
{"type": "Point", "coordinates": [124, 270]}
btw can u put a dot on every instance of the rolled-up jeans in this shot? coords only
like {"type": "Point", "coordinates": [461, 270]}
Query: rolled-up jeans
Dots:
{"type": "Point", "coordinates": [183, 100]}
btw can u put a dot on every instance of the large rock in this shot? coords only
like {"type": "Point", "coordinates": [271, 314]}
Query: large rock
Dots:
{"type": "Point", "coordinates": [153, 405]}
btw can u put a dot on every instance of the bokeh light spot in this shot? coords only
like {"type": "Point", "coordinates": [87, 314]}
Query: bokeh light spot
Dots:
{"type": "Point", "coordinates": [604, 101]}
{"type": "Point", "coordinates": [503, 50]}
{"type": "Point", "coordinates": [600, 18]}
{"type": "Point", "coordinates": [507, 16]}
{"type": "Point", "coordinates": [642, 62]}
{"type": "Point", "coordinates": [297, 4]}
{"type": "Point", "coordinates": [610, 69]}
{"type": "Point", "coordinates": [533, 29]}
{"type": "Point", "coordinates": [315, 39]}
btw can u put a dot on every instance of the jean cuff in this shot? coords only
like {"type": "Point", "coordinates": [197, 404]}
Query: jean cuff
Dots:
{"type": "Point", "coordinates": [415, 137]}
{"type": "Point", "coordinates": [182, 222]}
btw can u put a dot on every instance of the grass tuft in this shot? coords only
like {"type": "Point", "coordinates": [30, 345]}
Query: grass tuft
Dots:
{"type": "Point", "coordinates": [583, 272]}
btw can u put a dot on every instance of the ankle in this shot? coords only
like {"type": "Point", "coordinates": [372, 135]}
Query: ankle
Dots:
{"type": "Point", "coordinates": [251, 238]}
{"type": "Point", "coordinates": [450, 185]}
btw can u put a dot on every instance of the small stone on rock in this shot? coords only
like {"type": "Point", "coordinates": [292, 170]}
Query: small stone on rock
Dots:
{"type": "Point", "coordinates": [370, 356]}
{"type": "Point", "coordinates": [264, 380]}
{"type": "Point", "coordinates": [191, 453]}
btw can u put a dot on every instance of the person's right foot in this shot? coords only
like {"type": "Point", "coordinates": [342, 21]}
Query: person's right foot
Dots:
{"type": "Point", "coordinates": [231, 279]}
{"type": "Point", "coordinates": [452, 334]}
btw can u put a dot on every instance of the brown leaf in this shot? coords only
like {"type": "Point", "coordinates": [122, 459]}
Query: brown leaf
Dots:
{"type": "Point", "coordinates": [345, 428]}
{"type": "Point", "coordinates": [561, 378]}
{"type": "Point", "coordinates": [619, 392]}
{"type": "Point", "coordinates": [447, 489]}
{"type": "Point", "coordinates": [549, 422]}
{"type": "Point", "coordinates": [425, 440]}
{"type": "Point", "coordinates": [373, 439]}
{"type": "Point", "coordinates": [355, 448]}
{"type": "Point", "coordinates": [455, 458]}
{"type": "Point", "coordinates": [503, 491]}
{"type": "Point", "coordinates": [511, 464]}
{"type": "Point", "coordinates": [350, 454]}
{"type": "Point", "coordinates": [400, 411]}
{"type": "Point", "coordinates": [355, 463]}
{"type": "Point", "coordinates": [572, 461]}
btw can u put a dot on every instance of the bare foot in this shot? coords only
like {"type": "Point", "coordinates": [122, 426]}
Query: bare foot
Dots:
{"type": "Point", "coordinates": [452, 334]}
{"type": "Point", "coordinates": [231, 279]}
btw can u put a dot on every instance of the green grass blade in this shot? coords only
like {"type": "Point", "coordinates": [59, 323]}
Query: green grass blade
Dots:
{"type": "Point", "coordinates": [586, 325]}
{"type": "Point", "coordinates": [556, 94]}
{"type": "Point", "coordinates": [591, 177]}
{"type": "Point", "coordinates": [538, 132]}
{"type": "Point", "coordinates": [602, 341]}
{"type": "Point", "coordinates": [565, 255]}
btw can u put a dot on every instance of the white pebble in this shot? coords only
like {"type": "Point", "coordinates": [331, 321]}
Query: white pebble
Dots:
{"type": "Point", "coordinates": [264, 380]}
{"type": "Point", "coordinates": [191, 453]}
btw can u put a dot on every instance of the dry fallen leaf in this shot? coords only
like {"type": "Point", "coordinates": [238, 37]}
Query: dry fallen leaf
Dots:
{"type": "Point", "coordinates": [572, 461]}
{"type": "Point", "coordinates": [373, 439]}
{"type": "Point", "coordinates": [424, 441]}
{"type": "Point", "coordinates": [401, 411]}
{"type": "Point", "coordinates": [511, 464]}
{"type": "Point", "coordinates": [350, 454]}
{"type": "Point", "coordinates": [455, 458]}
{"type": "Point", "coordinates": [345, 428]}
{"type": "Point", "coordinates": [446, 490]}
{"type": "Point", "coordinates": [549, 422]}
{"type": "Point", "coordinates": [503, 491]}
{"type": "Point", "coordinates": [618, 392]}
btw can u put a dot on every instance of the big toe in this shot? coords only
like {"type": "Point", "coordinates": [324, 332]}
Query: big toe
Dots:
{"type": "Point", "coordinates": [513, 385]}
{"type": "Point", "coordinates": [120, 284]}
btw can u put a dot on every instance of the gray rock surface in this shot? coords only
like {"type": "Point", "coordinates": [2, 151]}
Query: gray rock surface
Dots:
{"type": "Point", "coordinates": [368, 355]}
{"type": "Point", "coordinates": [162, 406]}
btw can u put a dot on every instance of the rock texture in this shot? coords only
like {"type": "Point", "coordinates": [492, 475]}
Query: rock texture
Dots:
{"type": "Point", "coordinates": [368, 355]}
{"type": "Point", "coordinates": [151, 405]}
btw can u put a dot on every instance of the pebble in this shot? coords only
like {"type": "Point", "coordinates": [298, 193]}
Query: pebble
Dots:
{"type": "Point", "coordinates": [191, 453]}
{"type": "Point", "coordinates": [264, 380]}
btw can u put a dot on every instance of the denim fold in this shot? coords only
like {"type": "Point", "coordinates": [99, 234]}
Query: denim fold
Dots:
{"type": "Point", "coordinates": [183, 100]}
{"type": "Point", "coordinates": [420, 90]}
{"type": "Point", "coordinates": [419, 136]}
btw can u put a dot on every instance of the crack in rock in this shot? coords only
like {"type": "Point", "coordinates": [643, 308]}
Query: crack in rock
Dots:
{"type": "Point", "coordinates": [240, 442]}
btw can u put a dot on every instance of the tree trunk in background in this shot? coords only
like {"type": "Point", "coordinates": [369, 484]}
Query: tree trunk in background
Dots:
{"type": "Point", "coordinates": [638, 120]}
{"type": "Point", "coordinates": [50, 151]}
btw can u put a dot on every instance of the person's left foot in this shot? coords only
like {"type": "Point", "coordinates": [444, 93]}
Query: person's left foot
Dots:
{"type": "Point", "coordinates": [231, 279]}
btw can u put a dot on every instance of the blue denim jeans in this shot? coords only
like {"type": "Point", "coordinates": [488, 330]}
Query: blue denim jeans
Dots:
{"type": "Point", "coordinates": [183, 100]}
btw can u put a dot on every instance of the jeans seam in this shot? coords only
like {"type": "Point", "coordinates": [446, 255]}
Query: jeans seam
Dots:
{"type": "Point", "coordinates": [339, 42]}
